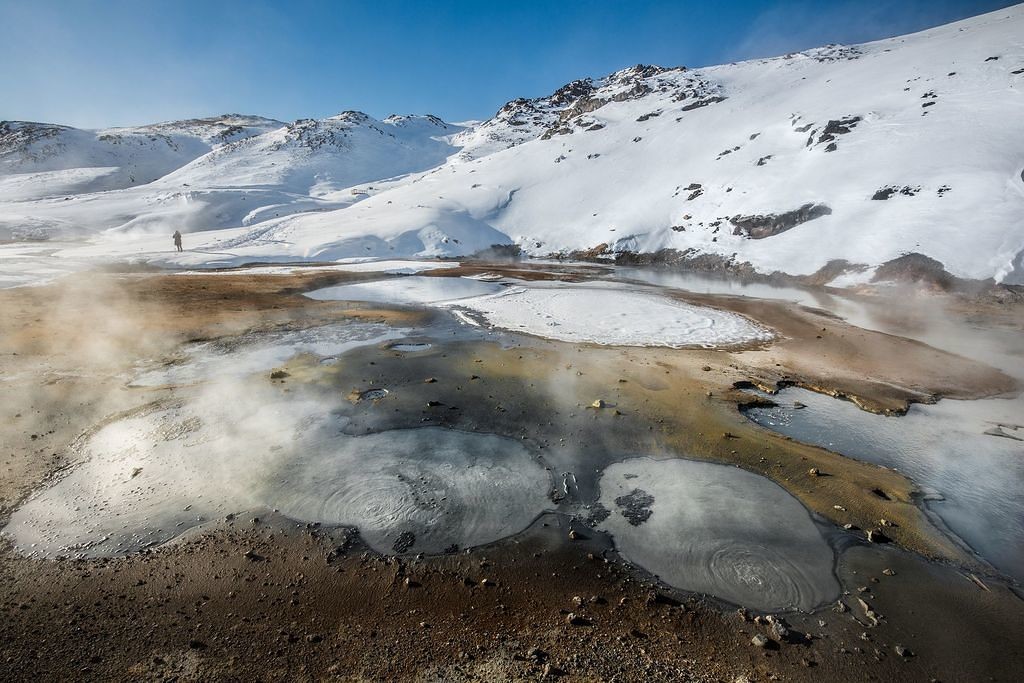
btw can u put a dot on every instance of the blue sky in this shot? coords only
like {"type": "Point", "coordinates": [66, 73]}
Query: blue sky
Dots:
{"type": "Point", "coordinates": [110, 62]}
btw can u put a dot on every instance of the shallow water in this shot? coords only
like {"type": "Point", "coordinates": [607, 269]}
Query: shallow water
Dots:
{"type": "Point", "coordinates": [943, 448]}
{"type": "Point", "coordinates": [719, 530]}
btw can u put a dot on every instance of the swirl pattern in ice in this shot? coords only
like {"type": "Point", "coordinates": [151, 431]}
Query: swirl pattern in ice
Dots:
{"type": "Point", "coordinates": [718, 530]}
{"type": "Point", "coordinates": [147, 478]}
{"type": "Point", "coordinates": [424, 489]}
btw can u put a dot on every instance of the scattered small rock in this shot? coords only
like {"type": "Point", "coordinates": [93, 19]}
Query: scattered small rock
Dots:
{"type": "Point", "coordinates": [577, 619]}
{"type": "Point", "coordinates": [876, 536]}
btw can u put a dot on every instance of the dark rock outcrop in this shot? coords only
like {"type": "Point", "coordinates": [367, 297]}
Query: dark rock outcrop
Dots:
{"type": "Point", "coordinates": [760, 226]}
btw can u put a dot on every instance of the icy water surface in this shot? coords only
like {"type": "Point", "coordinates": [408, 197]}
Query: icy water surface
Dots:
{"type": "Point", "coordinates": [719, 530]}
{"type": "Point", "coordinates": [975, 480]}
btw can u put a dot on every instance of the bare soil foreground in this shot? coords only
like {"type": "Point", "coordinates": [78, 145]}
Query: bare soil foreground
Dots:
{"type": "Point", "coordinates": [258, 596]}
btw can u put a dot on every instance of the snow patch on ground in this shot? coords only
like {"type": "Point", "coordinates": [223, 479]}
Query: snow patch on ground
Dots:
{"type": "Point", "coordinates": [596, 313]}
{"type": "Point", "coordinates": [386, 267]}
{"type": "Point", "coordinates": [408, 290]}
{"type": "Point", "coordinates": [612, 316]}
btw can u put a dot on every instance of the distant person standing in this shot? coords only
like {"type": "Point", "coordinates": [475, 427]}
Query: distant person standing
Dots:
{"type": "Point", "coordinates": [177, 239]}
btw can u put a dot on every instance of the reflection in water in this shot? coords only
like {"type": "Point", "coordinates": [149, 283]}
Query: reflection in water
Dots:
{"type": "Point", "coordinates": [943, 448]}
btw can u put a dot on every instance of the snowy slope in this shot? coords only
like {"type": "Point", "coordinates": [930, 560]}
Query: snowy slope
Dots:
{"type": "Point", "coordinates": [308, 165]}
{"type": "Point", "coordinates": [650, 159]}
{"type": "Point", "coordinates": [46, 160]}
{"type": "Point", "coordinates": [858, 153]}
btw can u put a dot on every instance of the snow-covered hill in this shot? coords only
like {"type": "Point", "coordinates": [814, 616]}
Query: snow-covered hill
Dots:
{"type": "Point", "coordinates": [308, 165]}
{"type": "Point", "coordinates": [46, 160]}
{"type": "Point", "coordinates": [858, 154]}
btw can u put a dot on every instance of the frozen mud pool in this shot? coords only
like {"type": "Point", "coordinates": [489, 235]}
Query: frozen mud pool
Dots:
{"type": "Point", "coordinates": [595, 313]}
{"type": "Point", "coordinates": [720, 530]}
{"type": "Point", "coordinates": [147, 478]}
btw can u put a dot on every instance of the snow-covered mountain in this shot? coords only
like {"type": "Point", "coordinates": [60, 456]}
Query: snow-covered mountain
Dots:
{"type": "Point", "coordinates": [308, 165]}
{"type": "Point", "coordinates": [830, 161]}
{"type": "Point", "coordinates": [47, 160]}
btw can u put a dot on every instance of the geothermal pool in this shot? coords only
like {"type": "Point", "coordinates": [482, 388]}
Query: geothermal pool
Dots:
{"type": "Point", "coordinates": [717, 529]}
{"type": "Point", "coordinates": [148, 478]}
{"type": "Point", "coordinates": [231, 443]}
{"type": "Point", "coordinates": [966, 456]}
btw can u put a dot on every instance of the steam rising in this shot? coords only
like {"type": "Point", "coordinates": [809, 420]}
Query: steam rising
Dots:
{"type": "Point", "coordinates": [241, 447]}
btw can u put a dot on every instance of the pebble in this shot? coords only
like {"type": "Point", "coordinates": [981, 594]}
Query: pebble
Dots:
{"type": "Point", "coordinates": [876, 536]}
{"type": "Point", "coordinates": [577, 619]}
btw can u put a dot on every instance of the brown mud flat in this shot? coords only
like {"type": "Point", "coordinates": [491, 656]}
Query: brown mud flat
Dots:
{"type": "Point", "coordinates": [294, 608]}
